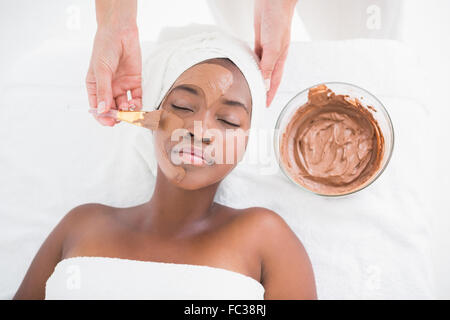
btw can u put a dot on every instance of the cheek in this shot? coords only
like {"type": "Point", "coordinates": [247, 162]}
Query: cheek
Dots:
{"type": "Point", "coordinates": [160, 146]}
{"type": "Point", "coordinates": [234, 145]}
{"type": "Point", "coordinates": [162, 153]}
{"type": "Point", "coordinates": [228, 146]}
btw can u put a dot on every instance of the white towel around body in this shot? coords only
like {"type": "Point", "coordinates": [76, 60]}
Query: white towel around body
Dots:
{"type": "Point", "coordinates": [104, 278]}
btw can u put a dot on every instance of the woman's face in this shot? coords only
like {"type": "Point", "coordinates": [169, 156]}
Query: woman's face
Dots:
{"type": "Point", "coordinates": [213, 103]}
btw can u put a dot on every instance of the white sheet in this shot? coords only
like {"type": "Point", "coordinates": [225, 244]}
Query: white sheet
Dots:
{"type": "Point", "coordinates": [54, 156]}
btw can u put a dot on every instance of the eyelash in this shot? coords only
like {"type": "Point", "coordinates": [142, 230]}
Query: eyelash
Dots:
{"type": "Point", "coordinates": [187, 109]}
{"type": "Point", "coordinates": [181, 108]}
{"type": "Point", "coordinates": [229, 123]}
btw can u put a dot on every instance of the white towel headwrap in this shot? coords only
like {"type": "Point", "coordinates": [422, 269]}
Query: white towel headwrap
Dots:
{"type": "Point", "coordinates": [178, 49]}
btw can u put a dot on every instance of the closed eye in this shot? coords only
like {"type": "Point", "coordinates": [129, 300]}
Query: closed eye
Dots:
{"type": "Point", "coordinates": [229, 123]}
{"type": "Point", "coordinates": [181, 108]}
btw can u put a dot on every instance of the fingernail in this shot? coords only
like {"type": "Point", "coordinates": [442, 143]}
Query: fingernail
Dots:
{"type": "Point", "coordinates": [267, 83]}
{"type": "Point", "coordinates": [132, 107]}
{"type": "Point", "coordinates": [101, 107]}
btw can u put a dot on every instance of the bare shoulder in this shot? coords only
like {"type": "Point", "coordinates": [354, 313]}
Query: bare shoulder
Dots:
{"type": "Point", "coordinates": [263, 219]}
{"type": "Point", "coordinates": [257, 221]}
{"type": "Point", "coordinates": [286, 268]}
{"type": "Point", "coordinates": [51, 250]}
{"type": "Point", "coordinates": [87, 213]}
{"type": "Point", "coordinates": [86, 223]}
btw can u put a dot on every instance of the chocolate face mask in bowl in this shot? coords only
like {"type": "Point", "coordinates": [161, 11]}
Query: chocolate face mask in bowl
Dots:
{"type": "Point", "coordinates": [334, 139]}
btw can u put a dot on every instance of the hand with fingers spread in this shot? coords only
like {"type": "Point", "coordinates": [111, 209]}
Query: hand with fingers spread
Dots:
{"type": "Point", "coordinates": [116, 64]}
{"type": "Point", "coordinates": [272, 23]}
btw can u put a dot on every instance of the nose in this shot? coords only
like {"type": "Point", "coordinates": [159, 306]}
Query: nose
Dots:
{"type": "Point", "coordinates": [200, 138]}
{"type": "Point", "coordinates": [198, 129]}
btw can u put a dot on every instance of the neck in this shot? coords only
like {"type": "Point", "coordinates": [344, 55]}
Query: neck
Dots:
{"type": "Point", "coordinates": [173, 209]}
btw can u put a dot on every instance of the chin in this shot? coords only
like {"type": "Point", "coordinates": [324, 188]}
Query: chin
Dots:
{"type": "Point", "coordinates": [191, 183]}
{"type": "Point", "coordinates": [198, 178]}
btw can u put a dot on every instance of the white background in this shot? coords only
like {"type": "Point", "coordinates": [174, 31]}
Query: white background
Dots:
{"type": "Point", "coordinates": [425, 25]}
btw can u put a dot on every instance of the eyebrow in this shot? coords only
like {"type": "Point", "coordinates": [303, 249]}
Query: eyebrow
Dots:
{"type": "Point", "coordinates": [235, 103]}
{"type": "Point", "coordinates": [186, 88]}
{"type": "Point", "coordinates": [225, 101]}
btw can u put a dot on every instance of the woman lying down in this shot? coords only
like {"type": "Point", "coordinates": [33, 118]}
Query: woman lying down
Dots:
{"type": "Point", "coordinates": [181, 244]}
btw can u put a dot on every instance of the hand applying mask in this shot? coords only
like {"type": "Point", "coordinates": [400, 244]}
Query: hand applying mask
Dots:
{"type": "Point", "coordinates": [272, 23]}
{"type": "Point", "coordinates": [115, 65]}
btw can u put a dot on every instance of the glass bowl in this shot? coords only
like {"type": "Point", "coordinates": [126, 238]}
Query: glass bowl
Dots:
{"type": "Point", "coordinates": [368, 101]}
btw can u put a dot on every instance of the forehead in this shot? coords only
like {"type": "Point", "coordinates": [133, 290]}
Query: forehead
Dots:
{"type": "Point", "coordinates": [209, 77]}
{"type": "Point", "coordinates": [216, 78]}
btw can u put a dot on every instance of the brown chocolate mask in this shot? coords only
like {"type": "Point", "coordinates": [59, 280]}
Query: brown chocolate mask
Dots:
{"type": "Point", "coordinates": [215, 95]}
{"type": "Point", "coordinates": [332, 145]}
{"type": "Point", "coordinates": [213, 80]}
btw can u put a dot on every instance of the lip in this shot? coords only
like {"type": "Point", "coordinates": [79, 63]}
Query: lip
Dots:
{"type": "Point", "coordinates": [191, 155]}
